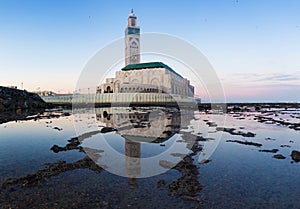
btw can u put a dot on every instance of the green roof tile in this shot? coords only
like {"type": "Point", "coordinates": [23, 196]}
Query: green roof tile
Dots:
{"type": "Point", "coordinates": [149, 65]}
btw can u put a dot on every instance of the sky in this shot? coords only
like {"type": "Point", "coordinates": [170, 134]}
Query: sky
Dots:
{"type": "Point", "coordinates": [253, 45]}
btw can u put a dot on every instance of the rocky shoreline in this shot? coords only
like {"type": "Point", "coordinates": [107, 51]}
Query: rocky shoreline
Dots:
{"type": "Point", "coordinates": [19, 100]}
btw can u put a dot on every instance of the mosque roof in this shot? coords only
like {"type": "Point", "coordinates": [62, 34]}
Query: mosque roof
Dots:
{"type": "Point", "coordinates": [149, 65]}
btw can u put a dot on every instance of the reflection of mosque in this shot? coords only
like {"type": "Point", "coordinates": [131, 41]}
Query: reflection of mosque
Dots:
{"type": "Point", "coordinates": [155, 125]}
{"type": "Point", "coordinates": [133, 163]}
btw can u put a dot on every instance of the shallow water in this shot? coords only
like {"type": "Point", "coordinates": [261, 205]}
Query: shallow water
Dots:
{"type": "Point", "coordinates": [236, 175]}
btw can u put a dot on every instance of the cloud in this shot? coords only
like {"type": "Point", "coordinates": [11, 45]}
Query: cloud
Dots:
{"type": "Point", "coordinates": [262, 86]}
{"type": "Point", "coordinates": [264, 77]}
{"type": "Point", "coordinates": [279, 77]}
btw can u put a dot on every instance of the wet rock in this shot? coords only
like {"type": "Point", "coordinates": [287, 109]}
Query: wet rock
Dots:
{"type": "Point", "coordinates": [285, 145]}
{"type": "Point", "coordinates": [107, 129]}
{"type": "Point", "coordinates": [296, 127]}
{"type": "Point", "coordinates": [267, 150]}
{"type": "Point", "coordinates": [160, 183]}
{"type": "Point", "coordinates": [245, 143]}
{"type": "Point", "coordinates": [248, 134]}
{"type": "Point", "coordinates": [66, 114]}
{"type": "Point", "coordinates": [269, 139]}
{"type": "Point", "coordinates": [204, 161]}
{"type": "Point", "coordinates": [73, 144]}
{"type": "Point", "coordinates": [57, 128]}
{"type": "Point", "coordinates": [211, 124]}
{"type": "Point", "coordinates": [279, 156]}
{"type": "Point", "coordinates": [201, 139]}
{"type": "Point", "coordinates": [295, 156]}
{"type": "Point", "coordinates": [236, 109]}
{"type": "Point", "coordinates": [187, 184]}
{"type": "Point", "coordinates": [233, 131]}
{"type": "Point", "coordinates": [196, 148]}
{"type": "Point", "coordinates": [169, 133]}
{"type": "Point", "coordinates": [52, 169]}
{"type": "Point", "coordinates": [12, 99]}
{"type": "Point", "coordinates": [56, 148]}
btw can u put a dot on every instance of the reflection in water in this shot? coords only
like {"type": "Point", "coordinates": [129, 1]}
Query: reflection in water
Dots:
{"type": "Point", "coordinates": [133, 163]}
{"type": "Point", "coordinates": [51, 169]}
{"type": "Point", "coordinates": [74, 178]}
{"type": "Point", "coordinates": [156, 125]}
{"type": "Point", "coordinates": [54, 169]}
{"type": "Point", "coordinates": [155, 131]}
{"type": "Point", "coordinates": [141, 131]}
{"type": "Point", "coordinates": [145, 125]}
{"type": "Point", "coordinates": [20, 114]}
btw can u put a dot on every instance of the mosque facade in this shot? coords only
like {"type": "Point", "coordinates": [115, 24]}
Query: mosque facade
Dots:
{"type": "Point", "coordinates": [150, 77]}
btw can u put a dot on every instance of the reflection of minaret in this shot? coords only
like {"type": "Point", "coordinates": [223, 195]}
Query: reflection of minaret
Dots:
{"type": "Point", "coordinates": [133, 164]}
{"type": "Point", "coordinates": [132, 41]}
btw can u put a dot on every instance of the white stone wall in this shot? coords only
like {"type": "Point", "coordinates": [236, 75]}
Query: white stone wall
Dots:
{"type": "Point", "coordinates": [147, 79]}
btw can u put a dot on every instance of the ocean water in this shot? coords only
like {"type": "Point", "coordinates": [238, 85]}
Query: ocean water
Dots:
{"type": "Point", "coordinates": [58, 160]}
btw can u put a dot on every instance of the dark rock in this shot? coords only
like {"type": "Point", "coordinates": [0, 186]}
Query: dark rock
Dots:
{"type": "Point", "coordinates": [56, 128]}
{"type": "Point", "coordinates": [187, 184]}
{"type": "Point", "coordinates": [233, 131]}
{"type": "Point", "coordinates": [266, 150]}
{"type": "Point", "coordinates": [17, 100]}
{"type": "Point", "coordinates": [201, 139]}
{"type": "Point", "coordinates": [248, 134]}
{"type": "Point", "coordinates": [236, 109]}
{"type": "Point", "coordinates": [56, 148]}
{"type": "Point", "coordinates": [204, 161]}
{"type": "Point", "coordinates": [169, 133]}
{"type": "Point", "coordinates": [52, 169]}
{"type": "Point", "coordinates": [269, 139]}
{"type": "Point", "coordinates": [279, 156]}
{"type": "Point", "coordinates": [211, 124]}
{"type": "Point", "coordinates": [245, 143]}
{"type": "Point", "coordinates": [295, 156]}
{"type": "Point", "coordinates": [66, 114]}
{"type": "Point", "coordinates": [73, 144]}
{"type": "Point", "coordinates": [196, 148]}
{"type": "Point", "coordinates": [161, 183]}
{"type": "Point", "coordinates": [107, 129]}
{"type": "Point", "coordinates": [285, 145]}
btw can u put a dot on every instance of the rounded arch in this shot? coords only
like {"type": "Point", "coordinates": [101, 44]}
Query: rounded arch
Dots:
{"type": "Point", "coordinates": [117, 85]}
{"type": "Point", "coordinates": [109, 89]}
{"type": "Point", "coordinates": [155, 82]}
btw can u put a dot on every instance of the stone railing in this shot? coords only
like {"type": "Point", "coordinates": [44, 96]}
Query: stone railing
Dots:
{"type": "Point", "coordinates": [118, 98]}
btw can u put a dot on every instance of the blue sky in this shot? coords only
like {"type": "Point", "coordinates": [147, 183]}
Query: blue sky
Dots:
{"type": "Point", "coordinates": [253, 45]}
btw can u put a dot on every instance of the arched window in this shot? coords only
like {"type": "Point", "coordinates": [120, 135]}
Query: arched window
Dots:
{"type": "Point", "coordinates": [109, 90]}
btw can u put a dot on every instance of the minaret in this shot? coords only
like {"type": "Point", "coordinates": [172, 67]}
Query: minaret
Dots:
{"type": "Point", "coordinates": [132, 41]}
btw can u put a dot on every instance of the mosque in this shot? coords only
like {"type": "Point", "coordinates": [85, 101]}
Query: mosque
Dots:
{"type": "Point", "coordinates": [150, 83]}
{"type": "Point", "coordinates": [150, 77]}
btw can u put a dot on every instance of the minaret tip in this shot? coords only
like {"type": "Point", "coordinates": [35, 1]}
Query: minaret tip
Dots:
{"type": "Point", "coordinates": [132, 10]}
